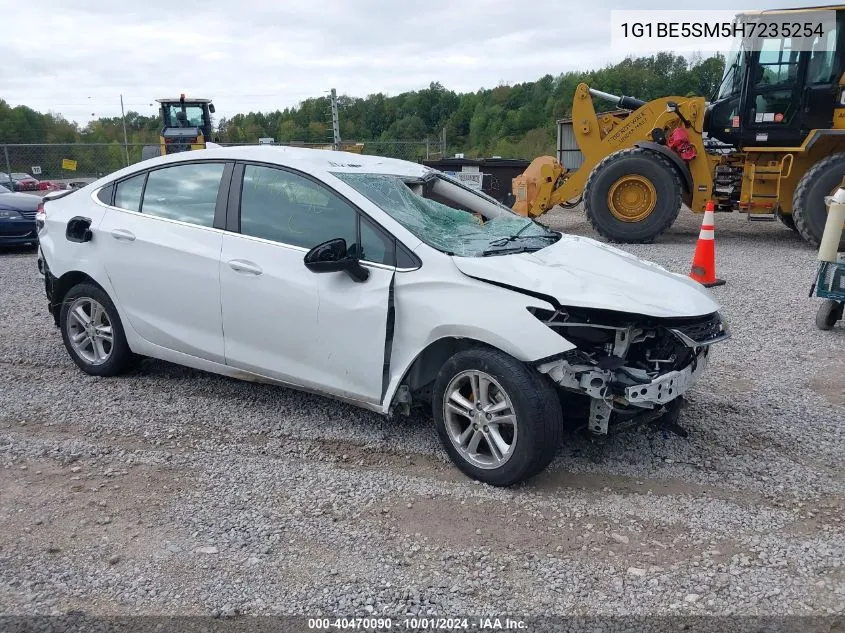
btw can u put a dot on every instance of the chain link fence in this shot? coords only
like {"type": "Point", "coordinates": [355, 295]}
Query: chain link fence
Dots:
{"type": "Point", "coordinates": [28, 167]}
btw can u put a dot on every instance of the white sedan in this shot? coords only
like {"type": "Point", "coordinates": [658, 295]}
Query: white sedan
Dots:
{"type": "Point", "coordinates": [377, 281]}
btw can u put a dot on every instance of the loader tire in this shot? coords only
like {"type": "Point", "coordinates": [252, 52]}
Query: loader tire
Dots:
{"type": "Point", "coordinates": [808, 207]}
{"type": "Point", "coordinates": [646, 190]}
{"type": "Point", "coordinates": [788, 221]}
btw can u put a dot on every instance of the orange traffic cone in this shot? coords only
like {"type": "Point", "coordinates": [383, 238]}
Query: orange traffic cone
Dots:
{"type": "Point", "coordinates": [704, 261]}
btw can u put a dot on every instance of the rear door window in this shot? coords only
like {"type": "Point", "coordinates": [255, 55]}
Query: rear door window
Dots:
{"type": "Point", "coordinates": [187, 193]}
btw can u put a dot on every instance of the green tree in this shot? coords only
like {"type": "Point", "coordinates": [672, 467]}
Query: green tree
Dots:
{"type": "Point", "coordinates": [509, 120]}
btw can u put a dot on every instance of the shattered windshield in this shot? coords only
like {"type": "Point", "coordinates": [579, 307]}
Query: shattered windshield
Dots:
{"type": "Point", "coordinates": [450, 217]}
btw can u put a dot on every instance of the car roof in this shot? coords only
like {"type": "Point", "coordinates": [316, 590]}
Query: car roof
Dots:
{"type": "Point", "coordinates": [307, 159]}
{"type": "Point", "coordinates": [301, 158]}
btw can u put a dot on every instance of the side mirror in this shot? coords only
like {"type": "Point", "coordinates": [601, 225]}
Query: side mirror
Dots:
{"type": "Point", "coordinates": [211, 108]}
{"type": "Point", "coordinates": [333, 256]}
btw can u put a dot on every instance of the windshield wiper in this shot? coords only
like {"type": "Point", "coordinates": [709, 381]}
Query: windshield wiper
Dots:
{"type": "Point", "coordinates": [509, 251]}
{"type": "Point", "coordinates": [502, 241]}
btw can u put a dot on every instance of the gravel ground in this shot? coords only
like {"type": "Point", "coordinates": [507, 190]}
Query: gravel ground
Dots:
{"type": "Point", "coordinates": [171, 491]}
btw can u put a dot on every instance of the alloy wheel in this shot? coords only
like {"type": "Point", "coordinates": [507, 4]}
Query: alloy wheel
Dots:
{"type": "Point", "coordinates": [90, 331]}
{"type": "Point", "coordinates": [480, 419]}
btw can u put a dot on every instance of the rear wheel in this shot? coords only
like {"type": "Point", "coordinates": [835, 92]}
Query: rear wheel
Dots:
{"type": "Point", "coordinates": [808, 207]}
{"type": "Point", "coordinates": [499, 420]}
{"type": "Point", "coordinates": [92, 332]}
{"type": "Point", "coordinates": [633, 195]}
{"type": "Point", "coordinates": [829, 313]}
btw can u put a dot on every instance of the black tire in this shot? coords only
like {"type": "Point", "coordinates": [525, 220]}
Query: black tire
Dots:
{"type": "Point", "coordinates": [539, 419]}
{"type": "Point", "coordinates": [808, 207]}
{"type": "Point", "coordinates": [643, 162]}
{"type": "Point", "coordinates": [150, 151]}
{"type": "Point", "coordinates": [829, 313]}
{"type": "Point", "coordinates": [788, 221]}
{"type": "Point", "coordinates": [120, 357]}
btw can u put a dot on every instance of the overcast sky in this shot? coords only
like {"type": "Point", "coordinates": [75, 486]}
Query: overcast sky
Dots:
{"type": "Point", "coordinates": [76, 58]}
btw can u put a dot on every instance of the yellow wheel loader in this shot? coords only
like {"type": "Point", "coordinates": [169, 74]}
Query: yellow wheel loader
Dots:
{"type": "Point", "coordinates": [770, 143]}
{"type": "Point", "coordinates": [186, 126]}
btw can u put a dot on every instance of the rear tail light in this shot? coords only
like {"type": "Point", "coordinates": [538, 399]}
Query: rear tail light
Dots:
{"type": "Point", "coordinates": [40, 216]}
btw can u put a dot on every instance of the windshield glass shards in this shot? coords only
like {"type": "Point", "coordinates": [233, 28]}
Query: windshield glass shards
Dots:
{"type": "Point", "coordinates": [449, 217]}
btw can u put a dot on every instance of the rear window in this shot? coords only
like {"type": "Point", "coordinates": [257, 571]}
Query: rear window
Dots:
{"type": "Point", "coordinates": [128, 193]}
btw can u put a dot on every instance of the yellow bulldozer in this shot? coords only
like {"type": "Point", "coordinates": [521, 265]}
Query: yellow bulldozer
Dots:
{"type": "Point", "coordinates": [770, 144]}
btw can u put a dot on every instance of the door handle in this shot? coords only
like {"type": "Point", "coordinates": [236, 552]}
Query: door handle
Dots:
{"type": "Point", "coordinates": [123, 234]}
{"type": "Point", "coordinates": [243, 266]}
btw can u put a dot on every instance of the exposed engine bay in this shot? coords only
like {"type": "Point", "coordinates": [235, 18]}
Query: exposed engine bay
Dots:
{"type": "Point", "coordinates": [629, 363]}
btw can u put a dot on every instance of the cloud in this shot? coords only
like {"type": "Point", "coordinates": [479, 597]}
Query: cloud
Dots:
{"type": "Point", "coordinates": [254, 55]}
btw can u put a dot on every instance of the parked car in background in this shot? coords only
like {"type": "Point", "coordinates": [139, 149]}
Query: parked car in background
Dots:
{"type": "Point", "coordinates": [17, 217]}
{"type": "Point", "coordinates": [19, 181]}
{"type": "Point", "coordinates": [49, 185]}
{"type": "Point", "coordinates": [25, 182]}
{"type": "Point", "coordinates": [380, 282]}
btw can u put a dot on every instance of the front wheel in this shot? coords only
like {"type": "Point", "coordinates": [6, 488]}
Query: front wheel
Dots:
{"type": "Point", "coordinates": [808, 206]}
{"type": "Point", "coordinates": [632, 195]}
{"type": "Point", "coordinates": [499, 420]}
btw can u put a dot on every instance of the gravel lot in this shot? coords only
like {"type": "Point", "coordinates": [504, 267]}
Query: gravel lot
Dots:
{"type": "Point", "coordinates": [173, 491]}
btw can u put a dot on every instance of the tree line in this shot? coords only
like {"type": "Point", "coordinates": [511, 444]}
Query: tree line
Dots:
{"type": "Point", "coordinates": [516, 121]}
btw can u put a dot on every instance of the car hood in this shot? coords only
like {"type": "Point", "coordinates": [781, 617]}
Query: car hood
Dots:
{"type": "Point", "coordinates": [19, 201]}
{"type": "Point", "coordinates": [579, 271]}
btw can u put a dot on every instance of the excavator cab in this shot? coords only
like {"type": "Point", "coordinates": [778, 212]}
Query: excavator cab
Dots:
{"type": "Point", "coordinates": [774, 95]}
{"type": "Point", "coordinates": [186, 126]}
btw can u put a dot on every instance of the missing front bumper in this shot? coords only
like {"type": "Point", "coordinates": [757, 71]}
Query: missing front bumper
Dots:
{"type": "Point", "coordinates": [669, 386]}
{"type": "Point", "coordinates": [611, 390]}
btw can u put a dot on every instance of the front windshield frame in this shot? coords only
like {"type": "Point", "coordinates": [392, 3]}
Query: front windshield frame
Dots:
{"type": "Point", "coordinates": [730, 85]}
{"type": "Point", "coordinates": [451, 230]}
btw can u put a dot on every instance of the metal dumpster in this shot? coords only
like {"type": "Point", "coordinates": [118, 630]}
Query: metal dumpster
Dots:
{"type": "Point", "coordinates": [492, 175]}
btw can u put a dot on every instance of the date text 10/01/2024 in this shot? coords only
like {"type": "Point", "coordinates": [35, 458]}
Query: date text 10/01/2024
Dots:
{"type": "Point", "coordinates": [416, 624]}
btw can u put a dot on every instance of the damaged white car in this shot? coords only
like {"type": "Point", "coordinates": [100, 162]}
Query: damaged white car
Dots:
{"type": "Point", "coordinates": [376, 281]}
